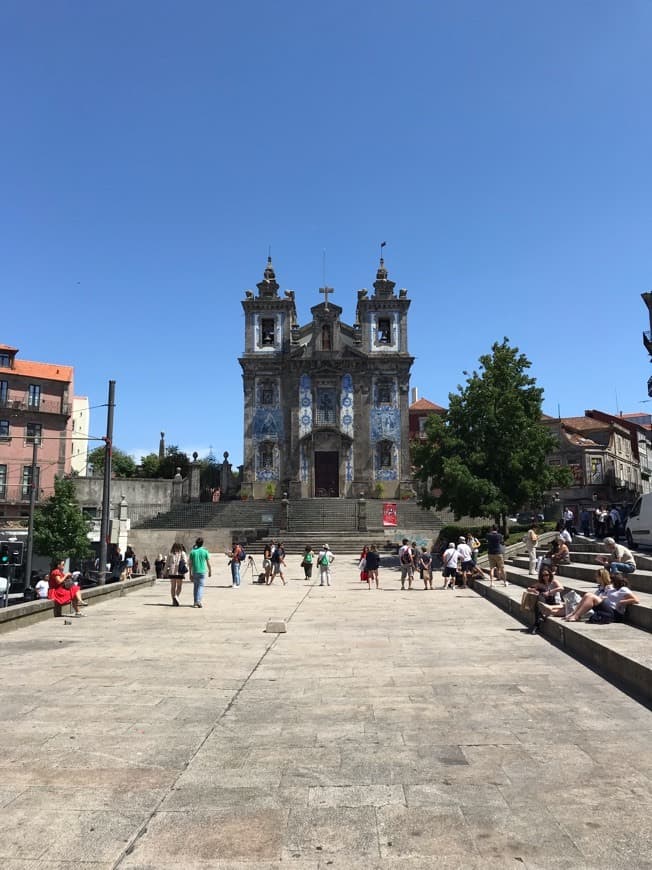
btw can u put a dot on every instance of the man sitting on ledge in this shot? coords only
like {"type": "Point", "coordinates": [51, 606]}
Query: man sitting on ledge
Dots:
{"type": "Point", "coordinates": [618, 559]}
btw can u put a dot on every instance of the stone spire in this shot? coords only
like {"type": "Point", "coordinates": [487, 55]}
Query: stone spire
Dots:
{"type": "Point", "coordinates": [383, 287]}
{"type": "Point", "coordinates": [268, 287]}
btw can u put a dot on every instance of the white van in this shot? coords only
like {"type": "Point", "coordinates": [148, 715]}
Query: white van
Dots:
{"type": "Point", "coordinates": [639, 523]}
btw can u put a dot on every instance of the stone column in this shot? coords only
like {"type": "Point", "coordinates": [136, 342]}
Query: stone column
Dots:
{"type": "Point", "coordinates": [123, 524]}
{"type": "Point", "coordinates": [362, 513]}
{"type": "Point", "coordinates": [195, 472]}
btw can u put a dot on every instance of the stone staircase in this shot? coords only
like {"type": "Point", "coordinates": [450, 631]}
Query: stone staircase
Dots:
{"type": "Point", "coordinates": [314, 521]}
{"type": "Point", "coordinates": [251, 514]}
{"type": "Point", "coordinates": [620, 652]}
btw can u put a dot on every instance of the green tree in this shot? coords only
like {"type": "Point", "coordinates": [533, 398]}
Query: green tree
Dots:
{"type": "Point", "coordinates": [487, 455]}
{"type": "Point", "coordinates": [174, 459]}
{"type": "Point", "coordinates": [149, 466]}
{"type": "Point", "coordinates": [60, 528]}
{"type": "Point", "coordinates": [122, 464]}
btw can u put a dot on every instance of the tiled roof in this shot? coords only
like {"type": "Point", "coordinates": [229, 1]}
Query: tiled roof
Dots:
{"type": "Point", "coordinates": [46, 371]}
{"type": "Point", "coordinates": [425, 405]}
{"type": "Point", "coordinates": [8, 347]}
{"type": "Point", "coordinates": [581, 440]}
{"type": "Point", "coordinates": [585, 424]}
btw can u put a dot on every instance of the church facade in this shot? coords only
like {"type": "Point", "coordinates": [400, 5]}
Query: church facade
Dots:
{"type": "Point", "coordinates": [326, 403]}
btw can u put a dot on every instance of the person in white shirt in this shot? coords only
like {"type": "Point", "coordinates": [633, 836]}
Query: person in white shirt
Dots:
{"type": "Point", "coordinates": [450, 559]}
{"type": "Point", "coordinates": [41, 588]}
{"type": "Point", "coordinates": [530, 541]}
{"type": "Point", "coordinates": [565, 536]}
{"type": "Point", "coordinates": [465, 559]}
{"type": "Point", "coordinates": [608, 605]}
{"type": "Point", "coordinates": [324, 560]}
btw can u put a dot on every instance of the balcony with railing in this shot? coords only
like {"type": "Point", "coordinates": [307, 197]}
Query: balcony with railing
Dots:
{"type": "Point", "coordinates": [46, 405]}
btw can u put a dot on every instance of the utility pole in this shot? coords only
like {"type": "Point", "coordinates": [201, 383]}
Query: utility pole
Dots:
{"type": "Point", "coordinates": [106, 493]}
{"type": "Point", "coordinates": [32, 505]}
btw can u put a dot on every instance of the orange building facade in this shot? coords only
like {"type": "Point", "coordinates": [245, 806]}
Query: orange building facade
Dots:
{"type": "Point", "coordinates": [35, 407]}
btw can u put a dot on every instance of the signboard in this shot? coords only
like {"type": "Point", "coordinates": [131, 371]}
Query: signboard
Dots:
{"type": "Point", "coordinates": [389, 514]}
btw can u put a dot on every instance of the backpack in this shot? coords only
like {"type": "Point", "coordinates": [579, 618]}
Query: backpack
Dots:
{"type": "Point", "coordinates": [182, 568]}
{"type": "Point", "coordinates": [242, 555]}
{"type": "Point", "coordinates": [406, 556]}
{"type": "Point", "coordinates": [324, 561]}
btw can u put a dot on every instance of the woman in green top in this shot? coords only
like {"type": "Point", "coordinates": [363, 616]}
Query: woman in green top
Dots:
{"type": "Point", "coordinates": [306, 562]}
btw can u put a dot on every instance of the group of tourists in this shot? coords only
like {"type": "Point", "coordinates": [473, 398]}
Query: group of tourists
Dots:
{"type": "Point", "coordinates": [607, 603]}
{"type": "Point", "coordinates": [601, 521]}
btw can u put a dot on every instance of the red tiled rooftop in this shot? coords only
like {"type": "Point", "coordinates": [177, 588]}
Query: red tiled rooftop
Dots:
{"type": "Point", "coordinates": [47, 371]}
{"type": "Point", "coordinates": [425, 405]}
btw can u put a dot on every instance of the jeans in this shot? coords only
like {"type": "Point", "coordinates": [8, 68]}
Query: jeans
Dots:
{"type": "Point", "coordinates": [621, 568]}
{"type": "Point", "coordinates": [198, 587]}
{"type": "Point", "coordinates": [235, 572]}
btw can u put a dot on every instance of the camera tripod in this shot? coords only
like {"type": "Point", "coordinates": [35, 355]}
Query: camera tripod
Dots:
{"type": "Point", "coordinates": [251, 568]}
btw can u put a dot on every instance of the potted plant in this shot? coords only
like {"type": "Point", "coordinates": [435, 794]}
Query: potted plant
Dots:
{"type": "Point", "coordinates": [270, 491]}
{"type": "Point", "coordinates": [379, 490]}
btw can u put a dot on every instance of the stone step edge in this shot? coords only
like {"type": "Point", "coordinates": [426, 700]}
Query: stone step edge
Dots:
{"type": "Point", "coordinates": [589, 644]}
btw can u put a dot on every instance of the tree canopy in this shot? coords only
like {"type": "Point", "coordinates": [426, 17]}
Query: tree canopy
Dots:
{"type": "Point", "coordinates": [122, 464]}
{"type": "Point", "coordinates": [487, 455]}
{"type": "Point", "coordinates": [60, 528]}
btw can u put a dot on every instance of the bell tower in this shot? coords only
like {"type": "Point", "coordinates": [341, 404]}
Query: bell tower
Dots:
{"type": "Point", "coordinates": [269, 322]}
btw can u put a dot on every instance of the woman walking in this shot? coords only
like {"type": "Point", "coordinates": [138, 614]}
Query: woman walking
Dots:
{"type": "Point", "coordinates": [306, 562]}
{"type": "Point", "coordinates": [176, 570]}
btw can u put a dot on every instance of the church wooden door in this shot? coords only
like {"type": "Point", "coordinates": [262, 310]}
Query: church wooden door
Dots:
{"type": "Point", "coordinates": [327, 473]}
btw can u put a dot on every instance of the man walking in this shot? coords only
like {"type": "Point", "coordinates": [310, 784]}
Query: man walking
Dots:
{"type": "Point", "coordinates": [324, 560]}
{"type": "Point", "coordinates": [406, 558]}
{"type": "Point", "coordinates": [199, 565]}
{"type": "Point", "coordinates": [495, 552]}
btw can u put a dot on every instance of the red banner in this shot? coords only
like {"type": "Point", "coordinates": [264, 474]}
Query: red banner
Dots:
{"type": "Point", "coordinates": [389, 514]}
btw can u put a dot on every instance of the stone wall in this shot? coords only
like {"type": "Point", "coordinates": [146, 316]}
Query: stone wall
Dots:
{"type": "Point", "coordinates": [151, 542]}
{"type": "Point", "coordinates": [151, 496]}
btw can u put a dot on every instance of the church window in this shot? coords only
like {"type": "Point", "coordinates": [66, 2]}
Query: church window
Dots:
{"type": "Point", "coordinates": [384, 332]}
{"type": "Point", "coordinates": [267, 330]}
{"type": "Point", "coordinates": [266, 393]}
{"type": "Point", "coordinates": [384, 454]}
{"type": "Point", "coordinates": [326, 407]}
{"type": "Point", "coordinates": [326, 337]}
{"type": "Point", "coordinates": [384, 392]}
{"type": "Point", "coordinates": [266, 456]}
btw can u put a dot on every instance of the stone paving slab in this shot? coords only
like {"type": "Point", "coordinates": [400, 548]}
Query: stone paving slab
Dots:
{"type": "Point", "coordinates": [386, 730]}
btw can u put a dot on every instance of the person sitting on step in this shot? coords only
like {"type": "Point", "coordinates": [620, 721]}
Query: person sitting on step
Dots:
{"type": "Point", "coordinates": [609, 607]}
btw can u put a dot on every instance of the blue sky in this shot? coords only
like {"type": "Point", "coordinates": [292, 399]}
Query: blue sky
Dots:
{"type": "Point", "coordinates": [153, 151]}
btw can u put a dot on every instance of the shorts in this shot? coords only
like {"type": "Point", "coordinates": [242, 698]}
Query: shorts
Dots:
{"type": "Point", "coordinates": [450, 572]}
{"type": "Point", "coordinates": [407, 571]}
{"type": "Point", "coordinates": [497, 560]}
{"type": "Point", "coordinates": [276, 567]}
{"type": "Point", "coordinates": [468, 566]}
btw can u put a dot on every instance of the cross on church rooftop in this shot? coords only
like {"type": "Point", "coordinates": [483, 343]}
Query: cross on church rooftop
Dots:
{"type": "Point", "coordinates": [326, 291]}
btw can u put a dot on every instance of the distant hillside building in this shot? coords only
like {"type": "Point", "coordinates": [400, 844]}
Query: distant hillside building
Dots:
{"type": "Point", "coordinates": [420, 410]}
{"type": "Point", "coordinates": [603, 453]}
{"type": "Point", "coordinates": [326, 403]}
{"type": "Point", "coordinates": [35, 406]}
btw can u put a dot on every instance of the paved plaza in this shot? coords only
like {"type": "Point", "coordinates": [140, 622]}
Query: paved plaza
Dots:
{"type": "Point", "coordinates": [395, 730]}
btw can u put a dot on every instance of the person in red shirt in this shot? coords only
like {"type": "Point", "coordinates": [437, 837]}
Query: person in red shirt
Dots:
{"type": "Point", "coordinates": [62, 591]}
